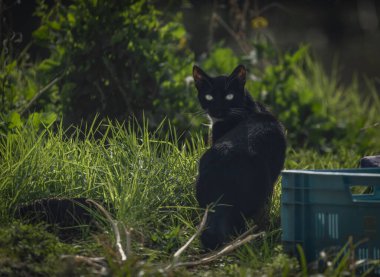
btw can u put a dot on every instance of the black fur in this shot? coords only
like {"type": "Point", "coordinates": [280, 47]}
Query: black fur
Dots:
{"type": "Point", "coordinates": [246, 157]}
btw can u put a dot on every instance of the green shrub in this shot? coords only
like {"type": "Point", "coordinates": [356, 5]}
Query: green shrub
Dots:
{"type": "Point", "coordinates": [27, 250]}
{"type": "Point", "coordinates": [315, 108]}
{"type": "Point", "coordinates": [118, 58]}
{"type": "Point", "coordinates": [25, 93]}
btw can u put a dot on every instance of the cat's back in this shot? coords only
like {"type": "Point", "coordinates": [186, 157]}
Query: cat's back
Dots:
{"type": "Point", "coordinates": [257, 133]}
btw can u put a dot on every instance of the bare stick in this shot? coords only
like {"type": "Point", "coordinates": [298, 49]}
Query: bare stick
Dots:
{"type": "Point", "coordinates": [370, 126]}
{"type": "Point", "coordinates": [275, 5]}
{"type": "Point", "coordinates": [98, 263]}
{"type": "Point", "coordinates": [114, 227]}
{"type": "Point", "coordinates": [243, 46]}
{"type": "Point", "coordinates": [38, 94]}
{"type": "Point", "coordinates": [128, 240]}
{"type": "Point", "coordinates": [118, 243]}
{"type": "Point", "coordinates": [236, 240]}
{"type": "Point", "coordinates": [211, 26]}
{"type": "Point", "coordinates": [186, 245]}
{"type": "Point", "coordinates": [225, 250]}
{"type": "Point", "coordinates": [197, 233]}
{"type": "Point", "coordinates": [246, 233]}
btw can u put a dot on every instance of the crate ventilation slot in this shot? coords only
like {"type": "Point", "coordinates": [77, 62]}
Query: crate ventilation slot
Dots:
{"type": "Point", "coordinates": [327, 222]}
{"type": "Point", "coordinates": [376, 256]}
{"type": "Point", "coordinates": [363, 255]}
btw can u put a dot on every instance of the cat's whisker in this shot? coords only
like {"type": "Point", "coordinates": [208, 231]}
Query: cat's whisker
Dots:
{"type": "Point", "coordinates": [237, 112]}
{"type": "Point", "coordinates": [238, 109]}
{"type": "Point", "coordinates": [197, 113]}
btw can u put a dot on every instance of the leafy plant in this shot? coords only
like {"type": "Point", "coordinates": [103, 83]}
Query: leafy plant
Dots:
{"type": "Point", "coordinates": [316, 110]}
{"type": "Point", "coordinates": [27, 250]}
{"type": "Point", "coordinates": [118, 59]}
{"type": "Point", "coordinates": [26, 93]}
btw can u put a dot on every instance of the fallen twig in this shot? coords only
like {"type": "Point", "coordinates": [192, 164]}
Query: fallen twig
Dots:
{"type": "Point", "coordinates": [240, 240]}
{"type": "Point", "coordinates": [370, 126]}
{"type": "Point", "coordinates": [225, 250]}
{"type": "Point", "coordinates": [113, 222]}
{"type": "Point", "coordinates": [97, 263]}
{"type": "Point", "coordinates": [38, 94]}
{"type": "Point", "coordinates": [246, 233]}
{"type": "Point", "coordinates": [244, 46]}
{"type": "Point", "coordinates": [128, 248]}
{"type": "Point", "coordinates": [186, 245]}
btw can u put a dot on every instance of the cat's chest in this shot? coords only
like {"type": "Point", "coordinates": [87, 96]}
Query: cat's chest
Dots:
{"type": "Point", "coordinates": [220, 128]}
{"type": "Point", "coordinates": [228, 130]}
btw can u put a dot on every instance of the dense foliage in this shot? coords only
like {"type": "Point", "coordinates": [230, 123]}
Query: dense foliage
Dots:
{"type": "Point", "coordinates": [142, 68]}
{"type": "Point", "coordinates": [315, 108]}
{"type": "Point", "coordinates": [119, 59]}
{"type": "Point", "coordinates": [116, 59]}
{"type": "Point", "coordinates": [27, 250]}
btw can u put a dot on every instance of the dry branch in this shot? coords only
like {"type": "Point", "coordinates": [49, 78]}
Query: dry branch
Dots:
{"type": "Point", "coordinates": [186, 245]}
{"type": "Point", "coordinates": [240, 240]}
{"type": "Point", "coordinates": [98, 264]}
{"type": "Point", "coordinates": [113, 222]}
{"type": "Point", "coordinates": [225, 250]}
{"type": "Point", "coordinates": [38, 94]}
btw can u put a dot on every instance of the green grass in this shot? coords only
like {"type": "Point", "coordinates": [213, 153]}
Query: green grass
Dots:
{"type": "Point", "coordinates": [149, 179]}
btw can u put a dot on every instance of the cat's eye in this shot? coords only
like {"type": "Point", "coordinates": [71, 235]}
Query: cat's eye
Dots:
{"type": "Point", "coordinates": [209, 97]}
{"type": "Point", "coordinates": [229, 96]}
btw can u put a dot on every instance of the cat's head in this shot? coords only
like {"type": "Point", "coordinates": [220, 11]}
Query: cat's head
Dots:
{"type": "Point", "coordinates": [221, 96]}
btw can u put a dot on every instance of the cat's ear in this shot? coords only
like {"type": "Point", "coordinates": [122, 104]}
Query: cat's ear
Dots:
{"type": "Point", "coordinates": [200, 77]}
{"type": "Point", "coordinates": [239, 75]}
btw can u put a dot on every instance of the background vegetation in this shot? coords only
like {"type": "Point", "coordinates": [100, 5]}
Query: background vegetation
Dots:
{"type": "Point", "coordinates": [138, 61]}
{"type": "Point", "coordinates": [74, 124]}
{"type": "Point", "coordinates": [148, 179]}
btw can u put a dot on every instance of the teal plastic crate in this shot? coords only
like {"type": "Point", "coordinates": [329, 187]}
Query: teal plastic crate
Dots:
{"type": "Point", "coordinates": [319, 212]}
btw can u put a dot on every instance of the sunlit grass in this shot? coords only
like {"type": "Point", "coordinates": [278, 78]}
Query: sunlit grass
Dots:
{"type": "Point", "coordinates": [148, 177]}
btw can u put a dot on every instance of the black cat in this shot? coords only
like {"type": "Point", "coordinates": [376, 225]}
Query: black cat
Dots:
{"type": "Point", "coordinates": [247, 154]}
